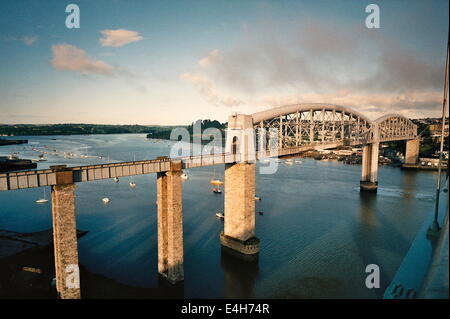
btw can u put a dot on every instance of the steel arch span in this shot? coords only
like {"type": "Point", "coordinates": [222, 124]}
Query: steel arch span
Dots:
{"type": "Point", "coordinates": [328, 124]}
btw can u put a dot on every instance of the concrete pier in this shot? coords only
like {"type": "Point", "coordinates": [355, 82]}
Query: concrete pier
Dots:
{"type": "Point", "coordinates": [170, 225]}
{"type": "Point", "coordinates": [65, 241]}
{"type": "Point", "coordinates": [239, 224]}
{"type": "Point", "coordinates": [412, 151]}
{"type": "Point", "coordinates": [369, 170]}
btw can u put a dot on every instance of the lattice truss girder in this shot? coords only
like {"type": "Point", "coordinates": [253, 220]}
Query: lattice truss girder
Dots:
{"type": "Point", "coordinates": [396, 128]}
{"type": "Point", "coordinates": [315, 126]}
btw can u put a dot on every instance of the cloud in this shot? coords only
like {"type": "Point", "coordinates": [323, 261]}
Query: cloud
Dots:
{"type": "Point", "coordinates": [211, 58]}
{"type": "Point", "coordinates": [119, 37]}
{"type": "Point", "coordinates": [208, 90]}
{"type": "Point", "coordinates": [412, 104]}
{"type": "Point", "coordinates": [29, 40]}
{"type": "Point", "coordinates": [70, 58]}
{"type": "Point", "coordinates": [342, 64]}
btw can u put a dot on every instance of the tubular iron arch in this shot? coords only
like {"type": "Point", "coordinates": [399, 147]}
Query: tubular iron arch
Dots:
{"type": "Point", "coordinates": [313, 123]}
{"type": "Point", "coordinates": [394, 127]}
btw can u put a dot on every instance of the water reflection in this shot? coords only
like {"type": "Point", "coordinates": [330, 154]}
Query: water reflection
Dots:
{"type": "Point", "coordinates": [240, 273]}
{"type": "Point", "coordinates": [409, 177]}
{"type": "Point", "coordinates": [167, 290]}
{"type": "Point", "coordinates": [317, 234]}
{"type": "Point", "coordinates": [366, 232]}
{"type": "Point", "coordinates": [367, 208]}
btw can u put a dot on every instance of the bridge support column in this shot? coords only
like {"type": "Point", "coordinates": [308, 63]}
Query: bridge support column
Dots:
{"type": "Point", "coordinates": [369, 168]}
{"type": "Point", "coordinates": [170, 226]}
{"type": "Point", "coordinates": [239, 224]}
{"type": "Point", "coordinates": [412, 151]}
{"type": "Point", "coordinates": [65, 241]}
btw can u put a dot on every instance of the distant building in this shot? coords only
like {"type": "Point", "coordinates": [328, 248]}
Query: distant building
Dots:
{"type": "Point", "coordinates": [343, 152]}
{"type": "Point", "coordinates": [436, 130]}
{"type": "Point", "coordinates": [431, 162]}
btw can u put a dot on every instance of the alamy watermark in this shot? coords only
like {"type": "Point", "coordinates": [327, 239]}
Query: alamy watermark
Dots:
{"type": "Point", "coordinates": [73, 276]}
{"type": "Point", "coordinates": [373, 279]}
{"type": "Point", "coordinates": [373, 19]}
{"type": "Point", "coordinates": [244, 145]}
{"type": "Point", "coordinates": [73, 19]}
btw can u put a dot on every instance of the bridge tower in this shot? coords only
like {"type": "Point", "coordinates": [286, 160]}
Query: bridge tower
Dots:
{"type": "Point", "coordinates": [65, 234]}
{"type": "Point", "coordinates": [412, 151]}
{"type": "Point", "coordinates": [239, 224]}
{"type": "Point", "coordinates": [369, 169]}
{"type": "Point", "coordinates": [170, 224]}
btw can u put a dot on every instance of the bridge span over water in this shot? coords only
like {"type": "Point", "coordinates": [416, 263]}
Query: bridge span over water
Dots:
{"type": "Point", "coordinates": [282, 131]}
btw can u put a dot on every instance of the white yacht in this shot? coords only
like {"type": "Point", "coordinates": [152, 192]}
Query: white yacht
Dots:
{"type": "Point", "coordinates": [42, 200]}
{"type": "Point", "coordinates": [220, 215]}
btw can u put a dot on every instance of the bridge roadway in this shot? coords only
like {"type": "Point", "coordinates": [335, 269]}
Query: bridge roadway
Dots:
{"type": "Point", "coordinates": [47, 177]}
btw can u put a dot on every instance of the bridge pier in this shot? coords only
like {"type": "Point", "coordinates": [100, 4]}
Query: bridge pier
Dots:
{"type": "Point", "coordinates": [412, 151]}
{"type": "Point", "coordinates": [170, 224]}
{"type": "Point", "coordinates": [239, 224]}
{"type": "Point", "coordinates": [369, 165]}
{"type": "Point", "coordinates": [65, 241]}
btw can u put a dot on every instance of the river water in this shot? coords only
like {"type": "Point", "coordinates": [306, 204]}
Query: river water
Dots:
{"type": "Point", "coordinates": [318, 232]}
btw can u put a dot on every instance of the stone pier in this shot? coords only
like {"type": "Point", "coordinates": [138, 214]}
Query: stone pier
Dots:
{"type": "Point", "coordinates": [412, 151]}
{"type": "Point", "coordinates": [369, 168]}
{"type": "Point", "coordinates": [65, 238]}
{"type": "Point", "coordinates": [170, 224]}
{"type": "Point", "coordinates": [239, 228]}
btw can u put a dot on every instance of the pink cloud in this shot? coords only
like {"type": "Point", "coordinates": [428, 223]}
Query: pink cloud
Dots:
{"type": "Point", "coordinates": [119, 37]}
{"type": "Point", "coordinates": [29, 40]}
{"type": "Point", "coordinates": [70, 58]}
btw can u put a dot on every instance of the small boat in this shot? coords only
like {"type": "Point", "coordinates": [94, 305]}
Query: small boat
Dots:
{"type": "Point", "coordinates": [13, 156]}
{"type": "Point", "coordinates": [184, 176]}
{"type": "Point", "coordinates": [42, 200]}
{"type": "Point", "coordinates": [216, 182]}
{"type": "Point", "coordinates": [220, 215]}
{"type": "Point", "coordinates": [257, 198]}
{"type": "Point", "coordinates": [105, 200]}
{"type": "Point", "coordinates": [132, 185]}
{"type": "Point", "coordinates": [298, 161]}
{"type": "Point", "coordinates": [261, 213]}
{"type": "Point", "coordinates": [217, 190]}
{"type": "Point", "coordinates": [116, 179]}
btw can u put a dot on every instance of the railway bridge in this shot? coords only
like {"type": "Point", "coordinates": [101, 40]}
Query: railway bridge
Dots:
{"type": "Point", "coordinates": [278, 132]}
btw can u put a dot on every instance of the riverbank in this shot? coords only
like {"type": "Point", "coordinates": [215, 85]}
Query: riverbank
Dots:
{"type": "Point", "coordinates": [27, 271]}
{"type": "Point", "coordinates": [15, 164]}
{"type": "Point", "coordinates": [12, 142]}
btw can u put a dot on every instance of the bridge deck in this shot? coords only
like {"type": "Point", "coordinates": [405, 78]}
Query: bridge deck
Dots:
{"type": "Point", "coordinates": [47, 177]}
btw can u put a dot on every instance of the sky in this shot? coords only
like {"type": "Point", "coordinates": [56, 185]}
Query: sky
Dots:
{"type": "Point", "coordinates": [173, 62]}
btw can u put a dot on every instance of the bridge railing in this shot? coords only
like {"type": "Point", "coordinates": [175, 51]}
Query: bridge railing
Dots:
{"type": "Point", "coordinates": [208, 159]}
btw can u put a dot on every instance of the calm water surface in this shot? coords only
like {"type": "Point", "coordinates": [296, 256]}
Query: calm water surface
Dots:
{"type": "Point", "coordinates": [318, 232]}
